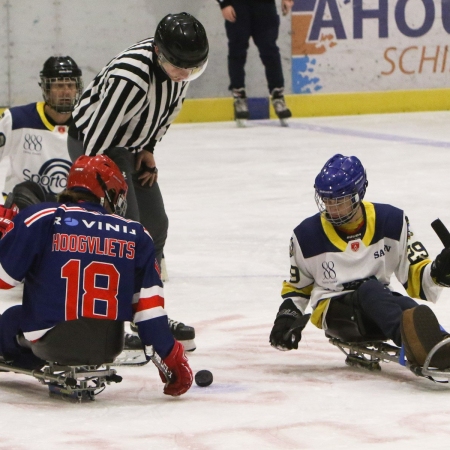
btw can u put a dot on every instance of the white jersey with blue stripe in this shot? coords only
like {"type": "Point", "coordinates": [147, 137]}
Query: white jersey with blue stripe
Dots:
{"type": "Point", "coordinates": [324, 264]}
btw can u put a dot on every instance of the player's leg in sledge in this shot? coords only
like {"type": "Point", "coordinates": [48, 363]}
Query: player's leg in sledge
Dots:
{"type": "Point", "coordinates": [355, 334]}
{"type": "Point", "coordinates": [11, 351]}
{"type": "Point", "coordinates": [421, 332]}
{"type": "Point", "coordinates": [360, 323]}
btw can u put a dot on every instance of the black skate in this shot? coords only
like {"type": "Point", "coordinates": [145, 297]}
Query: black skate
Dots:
{"type": "Point", "coordinates": [279, 105]}
{"type": "Point", "coordinates": [133, 351]}
{"type": "Point", "coordinates": [240, 104]}
{"type": "Point", "coordinates": [184, 334]}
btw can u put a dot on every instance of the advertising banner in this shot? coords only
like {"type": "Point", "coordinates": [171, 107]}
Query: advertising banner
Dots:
{"type": "Point", "coordinates": [370, 45]}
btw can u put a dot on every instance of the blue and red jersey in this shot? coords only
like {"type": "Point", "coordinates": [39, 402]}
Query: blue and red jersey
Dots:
{"type": "Point", "coordinates": [76, 260]}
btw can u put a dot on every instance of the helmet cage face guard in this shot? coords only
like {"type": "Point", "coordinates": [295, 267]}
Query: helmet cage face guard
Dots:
{"type": "Point", "coordinates": [338, 210]}
{"type": "Point", "coordinates": [117, 203]}
{"type": "Point", "coordinates": [121, 204]}
{"type": "Point", "coordinates": [186, 73]}
{"type": "Point", "coordinates": [61, 93]}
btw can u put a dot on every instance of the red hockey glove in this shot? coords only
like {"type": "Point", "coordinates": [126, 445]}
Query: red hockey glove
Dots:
{"type": "Point", "coordinates": [181, 372]}
{"type": "Point", "coordinates": [6, 216]}
{"type": "Point", "coordinates": [9, 213]}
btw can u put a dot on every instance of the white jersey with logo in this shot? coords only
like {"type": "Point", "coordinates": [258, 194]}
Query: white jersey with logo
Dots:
{"type": "Point", "coordinates": [35, 149]}
{"type": "Point", "coordinates": [324, 264]}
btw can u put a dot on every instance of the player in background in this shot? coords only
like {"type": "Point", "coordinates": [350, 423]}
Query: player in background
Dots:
{"type": "Point", "coordinates": [342, 260]}
{"type": "Point", "coordinates": [33, 137]}
{"type": "Point", "coordinates": [79, 258]}
{"type": "Point", "coordinates": [128, 108]}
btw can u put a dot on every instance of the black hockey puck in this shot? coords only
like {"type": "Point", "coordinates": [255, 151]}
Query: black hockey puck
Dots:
{"type": "Point", "coordinates": [203, 378]}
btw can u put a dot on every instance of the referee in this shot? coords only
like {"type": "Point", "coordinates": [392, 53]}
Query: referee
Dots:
{"type": "Point", "coordinates": [131, 103]}
{"type": "Point", "coordinates": [128, 108]}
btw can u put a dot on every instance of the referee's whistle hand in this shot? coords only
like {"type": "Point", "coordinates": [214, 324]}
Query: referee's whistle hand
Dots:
{"type": "Point", "coordinates": [146, 167]}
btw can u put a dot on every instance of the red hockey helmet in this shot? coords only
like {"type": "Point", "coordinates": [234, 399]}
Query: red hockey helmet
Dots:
{"type": "Point", "coordinates": [101, 176]}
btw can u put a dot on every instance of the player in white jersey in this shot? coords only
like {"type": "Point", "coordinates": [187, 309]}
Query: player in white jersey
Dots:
{"type": "Point", "coordinates": [33, 137]}
{"type": "Point", "coordinates": [342, 260]}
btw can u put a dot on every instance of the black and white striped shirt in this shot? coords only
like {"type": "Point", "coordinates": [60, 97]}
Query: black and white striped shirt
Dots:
{"type": "Point", "coordinates": [130, 103]}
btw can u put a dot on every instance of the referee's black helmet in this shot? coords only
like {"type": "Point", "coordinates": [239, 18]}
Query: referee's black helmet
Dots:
{"type": "Point", "coordinates": [182, 40]}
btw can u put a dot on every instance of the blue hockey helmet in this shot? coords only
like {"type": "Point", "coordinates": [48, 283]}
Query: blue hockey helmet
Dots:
{"type": "Point", "coordinates": [342, 178]}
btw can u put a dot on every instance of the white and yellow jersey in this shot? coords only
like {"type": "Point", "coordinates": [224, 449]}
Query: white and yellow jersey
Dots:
{"type": "Point", "coordinates": [325, 264]}
{"type": "Point", "coordinates": [35, 149]}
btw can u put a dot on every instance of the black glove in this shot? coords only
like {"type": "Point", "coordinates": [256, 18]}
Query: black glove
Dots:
{"type": "Point", "coordinates": [286, 316]}
{"type": "Point", "coordinates": [440, 268]}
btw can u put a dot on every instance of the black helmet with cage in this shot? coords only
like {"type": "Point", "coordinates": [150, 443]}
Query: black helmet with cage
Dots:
{"type": "Point", "coordinates": [181, 40]}
{"type": "Point", "coordinates": [61, 72]}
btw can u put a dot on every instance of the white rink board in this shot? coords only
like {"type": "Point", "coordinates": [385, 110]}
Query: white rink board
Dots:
{"type": "Point", "coordinates": [370, 45]}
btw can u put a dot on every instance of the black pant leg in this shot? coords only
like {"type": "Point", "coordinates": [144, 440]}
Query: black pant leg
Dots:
{"type": "Point", "coordinates": [153, 214]}
{"type": "Point", "coordinates": [238, 34]}
{"type": "Point", "coordinates": [125, 161]}
{"type": "Point", "coordinates": [10, 323]}
{"type": "Point", "coordinates": [265, 28]}
{"type": "Point", "coordinates": [75, 148]}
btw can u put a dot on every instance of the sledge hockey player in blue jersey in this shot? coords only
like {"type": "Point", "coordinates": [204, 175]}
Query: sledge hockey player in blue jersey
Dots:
{"type": "Point", "coordinates": [342, 260]}
{"type": "Point", "coordinates": [33, 137]}
{"type": "Point", "coordinates": [80, 258]}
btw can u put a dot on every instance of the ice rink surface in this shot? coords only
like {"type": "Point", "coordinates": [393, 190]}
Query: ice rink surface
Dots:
{"type": "Point", "coordinates": [233, 197]}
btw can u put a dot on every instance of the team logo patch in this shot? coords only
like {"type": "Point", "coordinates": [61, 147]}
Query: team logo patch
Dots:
{"type": "Point", "coordinates": [52, 175]}
{"type": "Point", "coordinates": [354, 246]}
{"type": "Point", "coordinates": [71, 221]}
{"type": "Point", "coordinates": [32, 142]}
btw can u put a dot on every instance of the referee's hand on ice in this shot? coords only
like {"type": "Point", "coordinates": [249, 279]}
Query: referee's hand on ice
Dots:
{"type": "Point", "coordinates": [146, 167]}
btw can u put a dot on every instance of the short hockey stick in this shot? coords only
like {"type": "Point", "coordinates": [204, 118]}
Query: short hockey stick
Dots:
{"type": "Point", "coordinates": [159, 363]}
{"type": "Point", "coordinates": [300, 322]}
{"type": "Point", "coordinates": [441, 230]}
{"type": "Point", "coordinates": [9, 201]}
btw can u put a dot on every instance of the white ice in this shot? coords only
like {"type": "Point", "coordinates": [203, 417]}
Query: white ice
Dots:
{"type": "Point", "coordinates": [233, 197]}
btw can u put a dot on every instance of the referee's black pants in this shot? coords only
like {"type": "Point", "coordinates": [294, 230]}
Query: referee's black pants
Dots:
{"type": "Point", "coordinates": [144, 203]}
{"type": "Point", "coordinates": [258, 20]}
